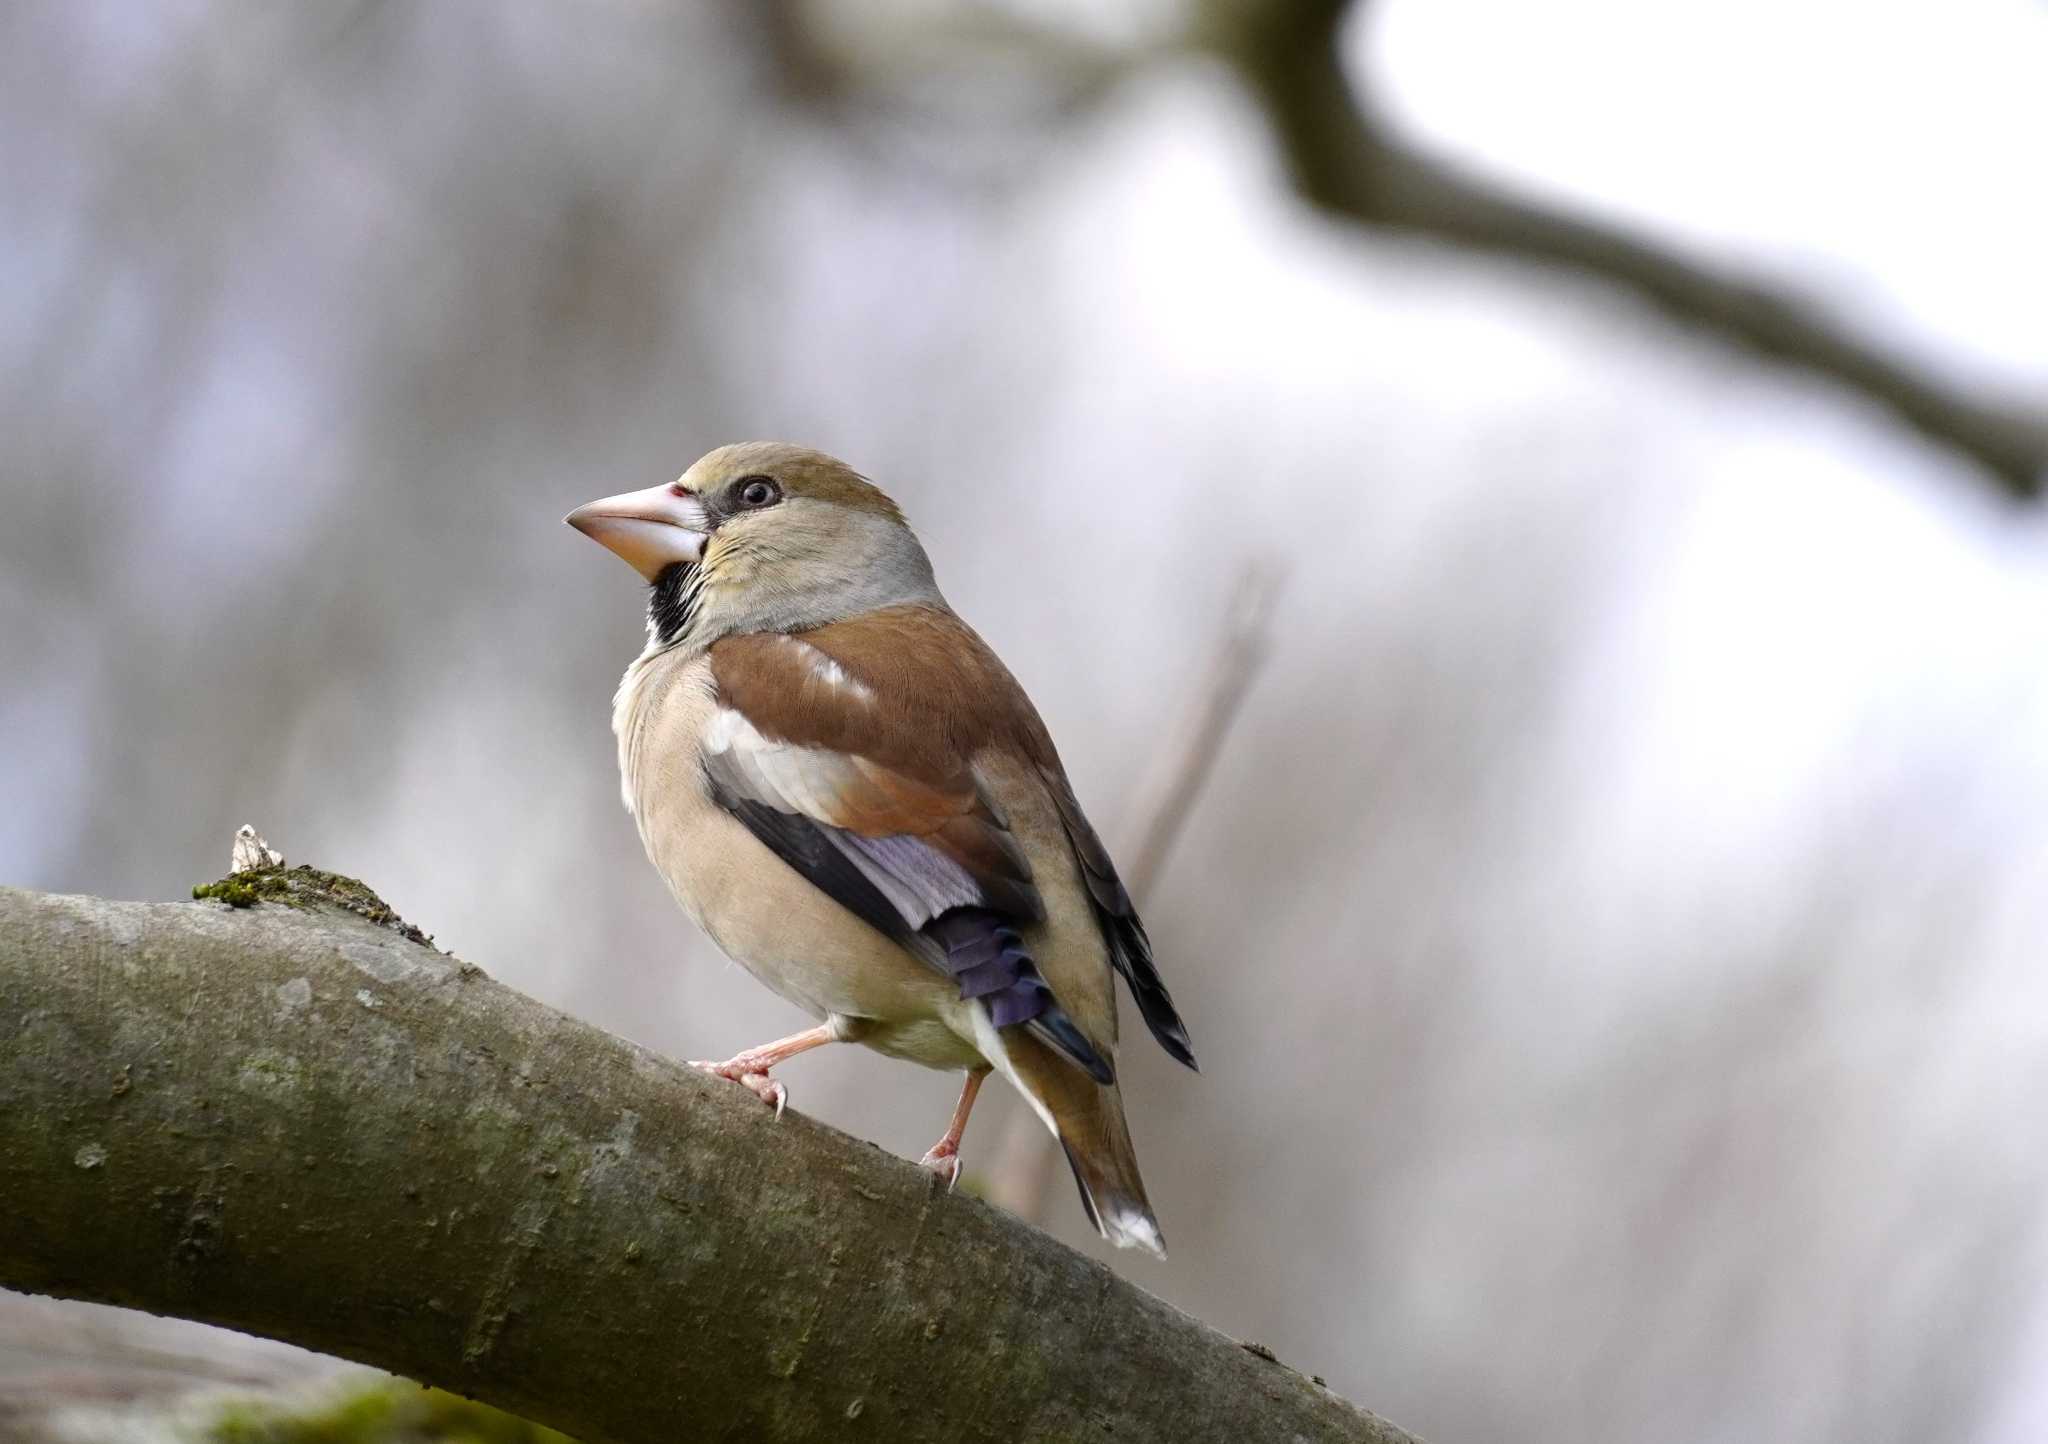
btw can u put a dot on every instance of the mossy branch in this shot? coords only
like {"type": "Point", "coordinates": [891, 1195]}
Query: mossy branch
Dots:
{"type": "Point", "coordinates": [303, 1123]}
{"type": "Point", "coordinates": [307, 887]}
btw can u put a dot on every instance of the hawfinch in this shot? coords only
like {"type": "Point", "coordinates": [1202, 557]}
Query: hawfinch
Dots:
{"type": "Point", "coordinates": [845, 788]}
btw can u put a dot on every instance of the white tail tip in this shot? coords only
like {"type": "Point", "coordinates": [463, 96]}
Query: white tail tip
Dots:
{"type": "Point", "coordinates": [1133, 1230]}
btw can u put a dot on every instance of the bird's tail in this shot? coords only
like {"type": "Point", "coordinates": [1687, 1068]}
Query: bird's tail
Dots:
{"type": "Point", "coordinates": [1088, 1119]}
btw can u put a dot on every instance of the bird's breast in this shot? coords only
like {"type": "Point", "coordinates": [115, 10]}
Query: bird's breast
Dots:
{"type": "Point", "coordinates": [667, 702]}
{"type": "Point", "coordinates": [761, 913]}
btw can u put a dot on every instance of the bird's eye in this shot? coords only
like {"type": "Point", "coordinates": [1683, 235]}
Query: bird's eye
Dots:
{"type": "Point", "coordinates": [759, 491]}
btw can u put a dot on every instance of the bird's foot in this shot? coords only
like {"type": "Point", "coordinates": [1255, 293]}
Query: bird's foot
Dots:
{"type": "Point", "coordinates": [943, 1159]}
{"type": "Point", "coordinates": [749, 1073]}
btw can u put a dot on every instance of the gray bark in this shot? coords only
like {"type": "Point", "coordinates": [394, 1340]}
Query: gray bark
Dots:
{"type": "Point", "coordinates": [296, 1122]}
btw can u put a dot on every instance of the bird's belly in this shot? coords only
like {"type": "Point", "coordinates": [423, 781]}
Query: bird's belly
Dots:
{"type": "Point", "coordinates": [940, 1042]}
{"type": "Point", "coordinates": [813, 952]}
{"type": "Point", "coordinates": [762, 913]}
{"type": "Point", "coordinates": [779, 927]}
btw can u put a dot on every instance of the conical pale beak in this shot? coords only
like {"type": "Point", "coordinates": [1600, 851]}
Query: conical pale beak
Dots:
{"type": "Point", "coordinates": [652, 529]}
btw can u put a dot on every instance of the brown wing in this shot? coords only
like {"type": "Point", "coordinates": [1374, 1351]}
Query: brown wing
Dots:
{"type": "Point", "coordinates": [935, 693]}
{"type": "Point", "coordinates": [912, 845]}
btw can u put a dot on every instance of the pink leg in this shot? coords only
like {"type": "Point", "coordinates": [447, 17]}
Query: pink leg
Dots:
{"type": "Point", "coordinates": [944, 1157]}
{"type": "Point", "coordinates": [750, 1069]}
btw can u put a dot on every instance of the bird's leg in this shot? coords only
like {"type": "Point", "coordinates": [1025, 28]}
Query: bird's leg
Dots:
{"type": "Point", "coordinates": [750, 1068]}
{"type": "Point", "coordinates": [944, 1156]}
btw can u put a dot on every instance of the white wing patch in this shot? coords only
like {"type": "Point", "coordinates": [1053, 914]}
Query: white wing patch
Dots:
{"type": "Point", "coordinates": [919, 881]}
{"type": "Point", "coordinates": [729, 728]}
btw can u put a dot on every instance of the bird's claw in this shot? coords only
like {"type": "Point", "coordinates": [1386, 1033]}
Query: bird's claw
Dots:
{"type": "Point", "coordinates": [756, 1082]}
{"type": "Point", "coordinates": [945, 1162]}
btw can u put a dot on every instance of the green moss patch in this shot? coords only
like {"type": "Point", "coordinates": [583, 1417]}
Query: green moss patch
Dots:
{"type": "Point", "coordinates": [387, 1412]}
{"type": "Point", "coordinates": [308, 887]}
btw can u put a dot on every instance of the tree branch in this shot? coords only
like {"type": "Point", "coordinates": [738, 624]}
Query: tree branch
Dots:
{"type": "Point", "coordinates": [1180, 768]}
{"type": "Point", "coordinates": [296, 1122]}
{"type": "Point", "coordinates": [1346, 161]}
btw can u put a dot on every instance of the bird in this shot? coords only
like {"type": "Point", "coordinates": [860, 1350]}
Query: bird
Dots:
{"type": "Point", "coordinates": [850, 794]}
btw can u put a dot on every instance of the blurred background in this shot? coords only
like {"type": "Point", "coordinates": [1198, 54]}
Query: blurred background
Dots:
{"type": "Point", "coordinates": [1611, 928]}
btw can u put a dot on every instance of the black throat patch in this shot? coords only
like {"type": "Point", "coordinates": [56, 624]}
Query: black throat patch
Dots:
{"type": "Point", "coordinates": [672, 602]}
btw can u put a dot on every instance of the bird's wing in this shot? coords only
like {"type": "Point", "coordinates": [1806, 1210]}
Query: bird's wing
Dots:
{"type": "Point", "coordinates": [880, 809]}
{"type": "Point", "coordinates": [1130, 950]}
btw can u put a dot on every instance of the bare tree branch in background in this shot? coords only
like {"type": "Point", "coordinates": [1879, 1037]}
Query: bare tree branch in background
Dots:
{"type": "Point", "coordinates": [1346, 161]}
{"type": "Point", "coordinates": [297, 1122]}
{"type": "Point", "coordinates": [1023, 1169]}
{"type": "Point", "coordinates": [1180, 769]}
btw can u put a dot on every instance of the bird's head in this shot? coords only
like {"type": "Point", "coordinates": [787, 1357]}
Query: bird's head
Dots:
{"type": "Point", "coordinates": [762, 537]}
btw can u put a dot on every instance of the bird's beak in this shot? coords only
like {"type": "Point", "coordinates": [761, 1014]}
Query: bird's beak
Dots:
{"type": "Point", "coordinates": [652, 529]}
